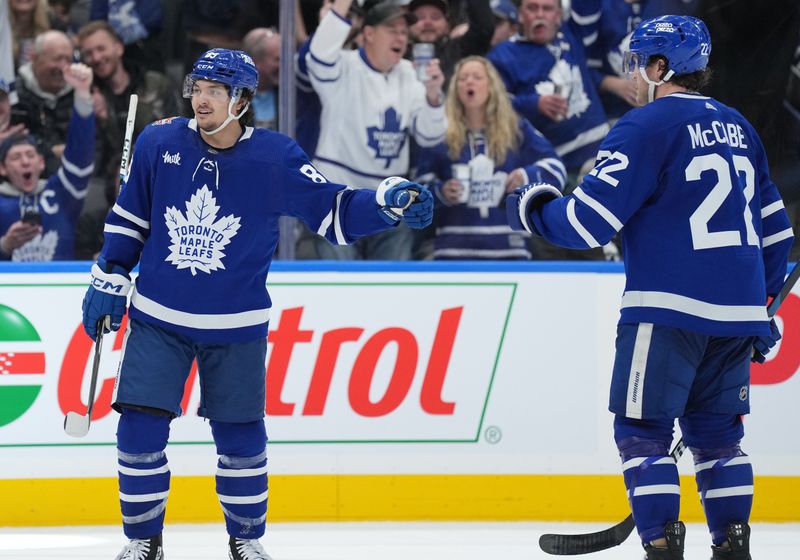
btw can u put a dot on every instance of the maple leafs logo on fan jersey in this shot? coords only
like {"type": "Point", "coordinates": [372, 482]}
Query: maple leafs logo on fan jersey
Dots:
{"type": "Point", "coordinates": [388, 140]}
{"type": "Point", "coordinates": [40, 248]}
{"type": "Point", "coordinates": [198, 238]}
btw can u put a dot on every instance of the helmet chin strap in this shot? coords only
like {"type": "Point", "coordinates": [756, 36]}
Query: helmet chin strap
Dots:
{"type": "Point", "coordinates": [230, 117]}
{"type": "Point", "coordinates": [651, 85]}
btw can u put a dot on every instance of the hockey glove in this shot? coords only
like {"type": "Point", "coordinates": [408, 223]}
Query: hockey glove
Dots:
{"type": "Point", "coordinates": [107, 295]}
{"type": "Point", "coordinates": [400, 198]}
{"type": "Point", "coordinates": [524, 200]}
{"type": "Point", "coordinates": [763, 344]}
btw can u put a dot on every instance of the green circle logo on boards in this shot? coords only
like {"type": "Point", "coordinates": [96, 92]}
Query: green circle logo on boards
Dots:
{"type": "Point", "coordinates": [21, 364]}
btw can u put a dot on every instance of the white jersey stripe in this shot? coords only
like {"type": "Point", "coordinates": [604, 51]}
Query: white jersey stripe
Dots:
{"type": "Point", "coordinates": [122, 213]}
{"type": "Point", "coordinates": [206, 321]}
{"type": "Point", "coordinates": [586, 137]}
{"type": "Point", "coordinates": [770, 209]}
{"type": "Point", "coordinates": [582, 231]}
{"type": "Point", "coordinates": [69, 186]}
{"type": "Point", "coordinates": [604, 212]}
{"type": "Point", "coordinates": [337, 221]}
{"type": "Point", "coordinates": [691, 306]}
{"type": "Point", "coordinates": [75, 170]}
{"type": "Point", "coordinates": [123, 231]}
{"type": "Point", "coordinates": [777, 237]}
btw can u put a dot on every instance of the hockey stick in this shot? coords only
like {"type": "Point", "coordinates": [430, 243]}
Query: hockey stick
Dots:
{"type": "Point", "coordinates": [126, 145]}
{"type": "Point", "coordinates": [75, 424]}
{"type": "Point", "coordinates": [568, 545]}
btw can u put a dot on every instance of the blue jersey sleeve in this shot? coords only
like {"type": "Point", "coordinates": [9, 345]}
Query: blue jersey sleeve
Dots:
{"type": "Point", "coordinates": [339, 214]}
{"type": "Point", "coordinates": [128, 223]}
{"type": "Point", "coordinates": [621, 181]}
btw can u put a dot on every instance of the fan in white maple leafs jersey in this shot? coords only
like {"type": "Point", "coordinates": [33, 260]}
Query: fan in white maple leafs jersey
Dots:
{"type": "Point", "coordinates": [192, 214]}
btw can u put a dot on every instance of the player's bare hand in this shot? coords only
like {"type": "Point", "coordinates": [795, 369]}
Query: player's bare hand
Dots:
{"type": "Point", "coordinates": [433, 85]}
{"type": "Point", "coordinates": [12, 130]}
{"type": "Point", "coordinates": [516, 179]}
{"type": "Point", "coordinates": [554, 107]}
{"type": "Point", "coordinates": [452, 191]}
{"type": "Point", "coordinates": [79, 76]}
{"type": "Point", "coordinates": [18, 235]}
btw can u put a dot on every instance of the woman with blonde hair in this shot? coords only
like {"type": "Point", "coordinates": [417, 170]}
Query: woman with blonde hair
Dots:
{"type": "Point", "coordinates": [28, 19]}
{"type": "Point", "coordinates": [488, 152]}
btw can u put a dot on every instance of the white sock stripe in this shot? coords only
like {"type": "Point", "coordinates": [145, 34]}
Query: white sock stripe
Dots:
{"type": "Point", "coordinates": [241, 473]}
{"type": "Point", "coordinates": [741, 460]}
{"type": "Point", "coordinates": [146, 516]}
{"type": "Point", "coordinates": [139, 458]}
{"type": "Point", "coordinates": [728, 492]}
{"type": "Point", "coordinates": [235, 462]}
{"type": "Point", "coordinates": [243, 499]}
{"type": "Point", "coordinates": [143, 472]}
{"type": "Point", "coordinates": [656, 489]}
{"type": "Point", "coordinates": [636, 461]}
{"type": "Point", "coordinates": [139, 498]}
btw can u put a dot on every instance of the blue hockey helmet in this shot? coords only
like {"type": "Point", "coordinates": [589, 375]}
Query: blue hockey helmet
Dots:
{"type": "Point", "coordinates": [683, 40]}
{"type": "Point", "coordinates": [235, 69]}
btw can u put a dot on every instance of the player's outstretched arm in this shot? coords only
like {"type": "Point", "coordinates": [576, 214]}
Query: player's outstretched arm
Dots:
{"type": "Point", "coordinates": [401, 199]}
{"type": "Point", "coordinates": [521, 203]}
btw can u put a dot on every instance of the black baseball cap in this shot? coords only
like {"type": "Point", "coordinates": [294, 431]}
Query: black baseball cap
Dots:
{"type": "Point", "coordinates": [14, 140]}
{"type": "Point", "coordinates": [441, 4]}
{"type": "Point", "coordinates": [385, 12]}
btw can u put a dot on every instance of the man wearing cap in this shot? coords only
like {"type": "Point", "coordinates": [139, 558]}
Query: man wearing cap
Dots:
{"type": "Point", "coordinates": [37, 216]}
{"type": "Point", "coordinates": [432, 26]}
{"type": "Point", "coordinates": [372, 103]}
{"type": "Point", "coordinates": [505, 20]}
{"type": "Point", "coordinates": [7, 128]}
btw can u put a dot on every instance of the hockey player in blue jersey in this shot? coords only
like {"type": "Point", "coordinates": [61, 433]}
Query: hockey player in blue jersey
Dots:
{"type": "Point", "coordinates": [199, 214]}
{"type": "Point", "coordinates": [705, 237]}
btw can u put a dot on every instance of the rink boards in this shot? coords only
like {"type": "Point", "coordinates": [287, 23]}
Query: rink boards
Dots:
{"type": "Point", "coordinates": [394, 392]}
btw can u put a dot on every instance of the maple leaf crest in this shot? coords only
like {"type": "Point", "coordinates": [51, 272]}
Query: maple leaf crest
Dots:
{"type": "Point", "coordinates": [40, 248]}
{"type": "Point", "coordinates": [388, 140]}
{"type": "Point", "coordinates": [198, 238]}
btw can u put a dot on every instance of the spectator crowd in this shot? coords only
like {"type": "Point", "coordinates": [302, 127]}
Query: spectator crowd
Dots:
{"type": "Point", "coordinates": [472, 98]}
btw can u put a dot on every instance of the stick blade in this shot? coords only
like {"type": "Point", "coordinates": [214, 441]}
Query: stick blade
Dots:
{"type": "Point", "coordinates": [76, 425]}
{"type": "Point", "coordinates": [571, 545]}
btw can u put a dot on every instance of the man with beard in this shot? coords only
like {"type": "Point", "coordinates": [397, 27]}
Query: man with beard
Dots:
{"type": "Point", "coordinates": [115, 81]}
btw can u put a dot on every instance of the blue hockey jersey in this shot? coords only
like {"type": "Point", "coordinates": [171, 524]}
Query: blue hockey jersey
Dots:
{"type": "Point", "coordinates": [530, 70]}
{"type": "Point", "coordinates": [203, 225]}
{"type": "Point", "coordinates": [478, 228]}
{"type": "Point", "coordinates": [58, 200]}
{"type": "Point", "coordinates": [704, 232]}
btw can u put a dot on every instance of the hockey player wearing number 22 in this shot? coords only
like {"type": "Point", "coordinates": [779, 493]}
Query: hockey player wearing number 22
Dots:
{"type": "Point", "coordinates": [199, 214]}
{"type": "Point", "coordinates": [705, 236]}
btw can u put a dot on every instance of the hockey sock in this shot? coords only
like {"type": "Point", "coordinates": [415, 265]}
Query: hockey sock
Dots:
{"type": "Point", "coordinates": [723, 472]}
{"type": "Point", "coordinates": [242, 476]}
{"type": "Point", "coordinates": [651, 475]}
{"type": "Point", "coordinates": [143, 472]}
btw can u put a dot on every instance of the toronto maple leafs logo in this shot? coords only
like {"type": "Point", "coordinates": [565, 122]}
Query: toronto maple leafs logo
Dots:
{"type": "Point", "coordinates": [41, 248]}
{"type": "Point", "coordinates": [387, 141]}
{"type": "Point", "coordinates": [198, 238]}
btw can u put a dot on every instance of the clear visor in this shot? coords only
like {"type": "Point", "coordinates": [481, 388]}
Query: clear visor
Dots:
{"type": "Point", "coordinates": [213, 90]}
{"type": "Point", "coordinates": [630, 62]}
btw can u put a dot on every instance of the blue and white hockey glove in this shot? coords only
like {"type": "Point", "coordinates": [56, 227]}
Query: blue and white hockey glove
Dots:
{"type": "Point", "coordinates": [524, 200]}
{"type": "Point", "coordinates": [107, 295]}
{"type": "Point", "coordinates": [401, 199]}
{"type": "Point", "coordinates": [763, 344]}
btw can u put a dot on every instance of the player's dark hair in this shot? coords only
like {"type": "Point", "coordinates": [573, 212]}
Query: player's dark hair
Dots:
{"type": "Point", "coordinates": [694, 81]}
{"type": "Point", "coordinates": [249, 118]}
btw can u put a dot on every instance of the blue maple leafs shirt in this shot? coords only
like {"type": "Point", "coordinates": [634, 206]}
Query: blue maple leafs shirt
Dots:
{"type": "Point", "coordinates": [203, 225]}
{"type": "Point", "coordinates": [58, 199]}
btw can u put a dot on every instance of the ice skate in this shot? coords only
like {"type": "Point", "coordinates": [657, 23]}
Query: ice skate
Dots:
{"type": "Point", "coordinates": [246, 549]}
{"type": "Point", "coordinates": [674, 532]}
{"type": "Point", "coordinates": [143, 549]}
{"type": "Point", "coordinates": [738, 543]}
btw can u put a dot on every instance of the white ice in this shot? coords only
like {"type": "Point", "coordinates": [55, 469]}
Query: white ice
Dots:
{"type": "Point", "coordinates": [369, 541]}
